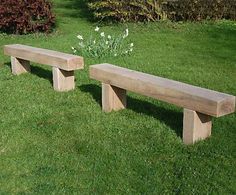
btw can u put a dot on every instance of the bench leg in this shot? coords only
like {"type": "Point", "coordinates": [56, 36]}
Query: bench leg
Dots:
{"type": "Point", "coordinates": [196, 126]}
{"type": "Point", "coordinates": [63, 80]}
{"type": "Point", "coordinates": [113, 98]}
{"type": "Point", "coordinates": [19, 66]}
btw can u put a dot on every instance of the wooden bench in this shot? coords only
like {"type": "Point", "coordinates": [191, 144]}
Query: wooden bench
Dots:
{"type": "Point", "coordinates": [63, 64]}
{"type": "Point", "coordinates": [199, 104]}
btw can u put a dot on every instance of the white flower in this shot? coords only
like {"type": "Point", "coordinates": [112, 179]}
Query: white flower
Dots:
{"type": "Point", "coordinates": [97, 29]}
{"type": "Point", "coordinates": [94, 42]}
{"type": "Point", "coordinates": [107, 42]}
{"type": "Point", "coordinates": [102, 34]}
{"type": "Point", "coordinates": [126, 33]}
{"type": "Point", "coordinates": [131, 49]}
{"type": "Point", "coordinates": [80, 37]}
{"type": "Point", "coordinates": [74, 50]}
{"type": "Point", "coordinates": [131, 44]}
{"type": "Point", "coordinates": [115, 54]}
{"type": "Point", "coordinates": [126, 51]}
{"type": "Point", "coordinates": [109, 36]}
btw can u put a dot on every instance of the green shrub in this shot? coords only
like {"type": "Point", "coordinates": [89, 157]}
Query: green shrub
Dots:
{"type": "Point", "coordinates": [21, 16]}
{"type": "Point", "coordinates": [196, 10]}
{"type": "Point", "coordinates": [123, 10]}
{"type": "Point", "coordinates": [153, 10]}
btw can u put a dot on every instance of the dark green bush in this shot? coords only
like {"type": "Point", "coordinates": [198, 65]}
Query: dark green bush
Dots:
{"type": "Point", "coordinates": [153, 10]}
{"type": "Point", "coordinates": [196, 10]}
{"type": "Point", "coordinates": [26, 16]}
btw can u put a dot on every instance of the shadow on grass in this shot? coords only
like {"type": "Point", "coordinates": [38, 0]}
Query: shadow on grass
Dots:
{"type": "Point", "coordinates": [8, 64]}
{"type": "Point", "coordinates": [224, 34]}
{"type": "Point", "coordinates": [76, 9]}
{"type": "Point", "coordinates": [171, 118]}
{"type": "Point", "coordinates": [42, 73]}
{"type": "Point", "coordinates": [38, 71]}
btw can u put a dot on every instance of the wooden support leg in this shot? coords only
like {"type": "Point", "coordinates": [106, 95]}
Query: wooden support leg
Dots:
{"type": "Point", "coordinates": [196, 126]}
{"type": "Point", "coordinates": [113, 98]}
{"type": "Point", "coordinates": [63, 80]}
{"type": "Point", "coordinates": [19, 66]}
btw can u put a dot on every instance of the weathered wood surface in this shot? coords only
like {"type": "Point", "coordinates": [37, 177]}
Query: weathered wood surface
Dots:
{"type": "Point", "coordinates": [44, 56]}
{"type": "Point", "coordinates": [113, 98]}
{"type": "Point", "coordinates": [184, 95]}
{"type": "Point", "coordinates": [63, 80]}
{"type": "Point", "coordinates": [196, 126]}
{"type": "Point", "coordinates": [19, 66]}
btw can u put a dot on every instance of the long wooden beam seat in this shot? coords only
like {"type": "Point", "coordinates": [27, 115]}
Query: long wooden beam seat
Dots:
{"type": "Point", "coordinates": [199, 104]}
{"type": "Point", "coordinates": [63, 64]}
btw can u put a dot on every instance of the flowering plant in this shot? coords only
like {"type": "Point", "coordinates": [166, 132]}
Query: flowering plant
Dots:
{"type": "Point", "coordinates": [101, 45]}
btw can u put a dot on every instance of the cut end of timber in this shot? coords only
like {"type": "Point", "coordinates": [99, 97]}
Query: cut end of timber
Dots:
{"type": "Point", "coordinates": [75, 63]}
{"type": "Point", "coordinates": [5, 50]}
{"type": "Point", "coordinates": [226, 106]}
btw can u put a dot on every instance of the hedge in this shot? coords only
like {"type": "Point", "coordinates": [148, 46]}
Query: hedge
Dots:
{"type": "Point", "coordinates": [153, 10]}
{"type": "Point", "coordinates": [23, 16]}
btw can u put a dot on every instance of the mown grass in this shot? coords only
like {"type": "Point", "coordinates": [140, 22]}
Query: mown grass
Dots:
{"type": "Point", "coordinates": [63, 143]}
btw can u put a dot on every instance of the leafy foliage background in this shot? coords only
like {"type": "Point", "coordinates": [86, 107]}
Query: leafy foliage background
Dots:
{"type": "Point", "coordinates": [23, 16]}
{"type": "Point", "coordinates": [153, 10]}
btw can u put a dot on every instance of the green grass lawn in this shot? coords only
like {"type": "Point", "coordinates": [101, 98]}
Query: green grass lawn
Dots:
{"type": "Point", "coordinates": [56, 143]}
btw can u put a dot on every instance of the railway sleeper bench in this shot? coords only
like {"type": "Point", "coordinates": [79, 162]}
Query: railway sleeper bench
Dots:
{"type": "Point", "coordinates": [63, 64]}
{"type": "Point", "coordinates": [199, 104]}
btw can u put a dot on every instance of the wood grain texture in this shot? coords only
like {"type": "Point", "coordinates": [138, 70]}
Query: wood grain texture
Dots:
{"type": "Point", "coordinates": [19, 66]}
{"type": "Point", "coordinates": [45, 56]}
{"type": "Point", "coordinates": [63, 80]}
{"type": "Point", "coordinates": [113, 98]}
{"type": "Point", "coordinates": [196, 126]}
{"type": "Point", "coordinates": [184, 95]}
